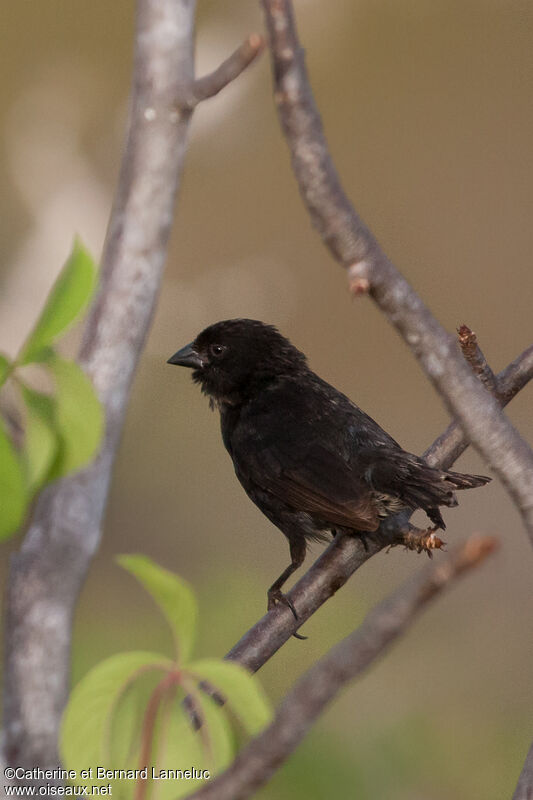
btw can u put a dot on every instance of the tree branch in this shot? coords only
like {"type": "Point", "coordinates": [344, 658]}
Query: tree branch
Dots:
{"type": "Point", "coordinates": [347, 660]}
{"type": "Point", "coordinates": [369, 270]}
{"type": "Point", "coordinates": [47, 574]}
{"type": "Point", "coordinates": [346, 554]}
{"type": "Point", "coordinates": [524, 787]}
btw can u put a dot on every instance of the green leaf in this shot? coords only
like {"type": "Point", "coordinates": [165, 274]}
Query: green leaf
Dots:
{"type": "Point", "coordinates": [173, 596]}
{"type": "Point", "coordinates": [13, 497]}
{"type": "Point", "coordinates": [44, 355]}
{"type": "Point", "coordinates": [5, 368]}
{"type": "Point", "coordinates": [41, 441]}
{"type": "Point", "coordinates": [241, 690]}
{"type": "Point", "coordinates": [88, 718]}
{"type": "Point", "coordinates": [79, 417]}
{"type": "Point", "coordinates": [69, 296]}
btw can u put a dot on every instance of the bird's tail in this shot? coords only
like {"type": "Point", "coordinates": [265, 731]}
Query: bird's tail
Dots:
{"type": "Point", "coordinates": [429, 487]}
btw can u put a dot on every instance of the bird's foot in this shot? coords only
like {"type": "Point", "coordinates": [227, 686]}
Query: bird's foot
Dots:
{"type": "Point", "coordinates": [276, 598]}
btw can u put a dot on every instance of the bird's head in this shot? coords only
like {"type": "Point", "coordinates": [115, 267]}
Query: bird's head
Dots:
{"type": "Point", "coordinates": [234, 358]}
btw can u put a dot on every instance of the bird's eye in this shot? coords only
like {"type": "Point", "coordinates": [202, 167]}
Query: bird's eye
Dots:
{"type": "Point", "coordinates": [216, 350]}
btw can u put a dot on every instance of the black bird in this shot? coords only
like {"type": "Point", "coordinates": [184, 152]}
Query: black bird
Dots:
{"type": "Point", "coordinates": [313, 462]}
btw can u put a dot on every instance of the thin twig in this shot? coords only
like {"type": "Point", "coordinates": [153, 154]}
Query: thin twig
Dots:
{"type": "Point", "coordinates": [346, 554]}
{"type": "Point", "coordinates": [515, 376]}
{"type": "Point", "coordinates": [347, 660]}
{"type": "Point", "coordinates": [422, 541]}
{"type": "Point", "coordinates": [475, 357]}
{"type": "Point", "coordinates": [210, 85]}
{"type": "Point", "coordinates": [369, 270]}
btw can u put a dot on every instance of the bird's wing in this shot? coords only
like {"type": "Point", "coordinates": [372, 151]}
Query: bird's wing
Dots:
{"type": "Point", "coordinates": [311, 478]}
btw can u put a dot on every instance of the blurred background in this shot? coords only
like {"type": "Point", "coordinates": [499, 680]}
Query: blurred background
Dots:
{"type": "Point", "coordinates": [427, 108]}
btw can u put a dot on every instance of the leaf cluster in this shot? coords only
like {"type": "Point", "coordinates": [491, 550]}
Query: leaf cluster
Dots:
{"type": "Point", "coordinates": [62, 428]}
{"type": "Point", "coordinates": [129, 712]}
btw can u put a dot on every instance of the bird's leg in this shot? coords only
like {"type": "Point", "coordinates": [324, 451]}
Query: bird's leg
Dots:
{"type": "Point", "coordinates": [275, 595]}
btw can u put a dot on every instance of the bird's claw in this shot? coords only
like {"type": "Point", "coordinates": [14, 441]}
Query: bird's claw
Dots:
{"type": "Point", "coordinates": [276, 598]}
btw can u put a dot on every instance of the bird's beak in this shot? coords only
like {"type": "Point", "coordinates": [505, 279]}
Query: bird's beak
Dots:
{"type": "Point", "coordinates": [186, 357]}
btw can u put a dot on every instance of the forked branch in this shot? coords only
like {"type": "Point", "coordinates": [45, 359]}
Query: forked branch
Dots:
{"type": "Point", "coordinates": [370, 271]}
{"type": "Point", "coordinates": [47, 574]}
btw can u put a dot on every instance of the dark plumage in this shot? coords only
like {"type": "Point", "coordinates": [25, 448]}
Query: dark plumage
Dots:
{"type": "Point", "coordinates": [313, 462]}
